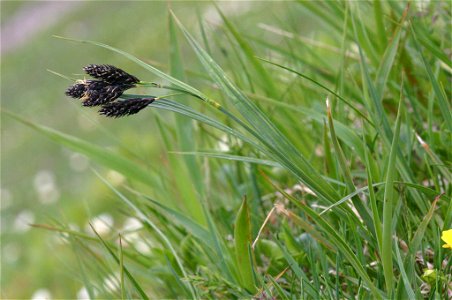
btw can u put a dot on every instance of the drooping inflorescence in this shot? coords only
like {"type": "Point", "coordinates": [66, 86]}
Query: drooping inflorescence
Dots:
{"type": "Point", "coordinates": [110, 74]}
{"type": "Point", "coordinates": [123, 108]}
{"type": "Point", "coordinates": [111, 82]}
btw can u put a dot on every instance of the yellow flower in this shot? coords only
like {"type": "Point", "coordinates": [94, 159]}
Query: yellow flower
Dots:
{"type": "Point", "coordinates": [447, 238]}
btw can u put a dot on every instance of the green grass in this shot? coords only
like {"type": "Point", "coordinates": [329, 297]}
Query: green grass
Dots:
{"type": "Point", "coordinates": [259, 186]}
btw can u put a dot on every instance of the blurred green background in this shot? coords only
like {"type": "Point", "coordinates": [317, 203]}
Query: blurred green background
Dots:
{"type": "Point", "coordinates": [42, 181]}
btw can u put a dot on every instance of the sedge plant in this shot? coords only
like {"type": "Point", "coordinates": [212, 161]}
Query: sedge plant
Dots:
{"type": "Point", "coordinates": [309, 168]}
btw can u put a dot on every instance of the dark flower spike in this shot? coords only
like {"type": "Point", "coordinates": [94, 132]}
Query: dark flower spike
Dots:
{"type": "Point", "coordinates": [100, 92]}
{"type": "Point", "coordinates": [76, 91]}
{"type": "Point", "coordinates": [110, 74]}
{"type": "Point", "coordinates": [125, 108]}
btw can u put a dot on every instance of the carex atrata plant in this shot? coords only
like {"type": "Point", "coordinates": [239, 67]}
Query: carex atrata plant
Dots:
{"type": "Point", "coordinates": [106, 91]}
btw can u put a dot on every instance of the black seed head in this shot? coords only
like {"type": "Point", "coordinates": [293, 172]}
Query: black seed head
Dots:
{"type": "Point", "coordinates": [110, 74]}
{"type": "Point", "coordinates": [100, 92]}
{"type": "Point", "coordinates": [76, 91]}
{"type": "Point", "coordinates": [125, 108]}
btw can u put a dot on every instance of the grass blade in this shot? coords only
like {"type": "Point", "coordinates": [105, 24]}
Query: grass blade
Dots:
{"type": "Point", "coordinates": [387, 62]}
{"type": "Point", "coordinates": [389, 202]}
{"type": "Point", "coordinates": [350, 196]}
{"type": "Point", "coordinates": [121, 269]}
{"type": "Point", "coordinates": [372, 198]}
{"type": "Point", "coordinates": [242, 243]}
{"type": "Point", "coordinates": [244, 159]}
{"type": "Point", "coordinates": [406, 281]}
{"type": "Point", "coordinates": [415, 242]}
{"type": "Point", "coordinates": [380, 27]}
{"type": "Point", "coordinates": [278, 288]}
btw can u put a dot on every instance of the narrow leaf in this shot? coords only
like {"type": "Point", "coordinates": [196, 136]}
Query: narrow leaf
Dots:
{"type": "Point", "coordinates": [389, 202]}
{"type": "Point", "coordinates": [242, 243]}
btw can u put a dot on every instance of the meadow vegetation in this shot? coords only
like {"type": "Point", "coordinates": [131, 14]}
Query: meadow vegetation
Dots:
{"type": "Point", "coordinates": [291, 166]}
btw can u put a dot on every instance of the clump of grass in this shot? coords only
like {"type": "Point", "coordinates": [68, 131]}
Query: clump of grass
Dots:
{"type": "Point", "coordinates": [371, 166]}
